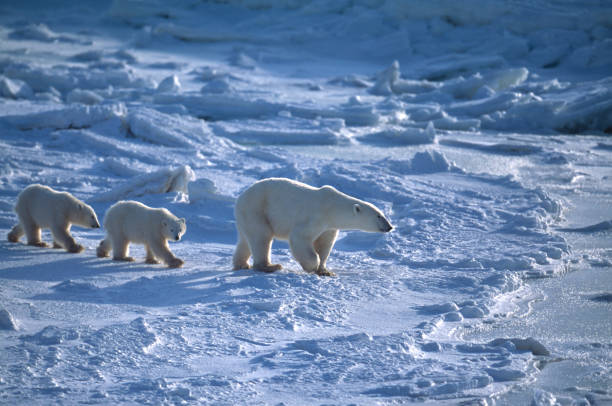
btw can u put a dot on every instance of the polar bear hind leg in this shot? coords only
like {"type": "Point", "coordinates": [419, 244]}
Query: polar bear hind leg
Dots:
{"type": "Point", "coordinates": [259, 236]}
{"type": "Point", "coordinates": [16, 233]}
{"type": "Point", "coordinates": [31, 229]}
{"type": "Point", "coordinates": [121, 249]}
{"type": "Point", "coordinates": [323, 246]}
{"type": "Point", "coordinates": [242, 253]}
{"type": "Point", "coordinates": [104, 248]}
{"type": "Point", "coordinates": [303, 251]}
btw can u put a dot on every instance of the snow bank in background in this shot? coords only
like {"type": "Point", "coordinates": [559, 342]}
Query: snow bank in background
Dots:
{"type": "Point", "coordinates": [162, 181]}
{"type": "Point", "coordinates": [401, 136]}
{"type": "Point", "coordinates": [430, 161]}
{"type": "Point", "coordinates": [165, 129]}
{"type": "Point", "coordinates": [74, 116]}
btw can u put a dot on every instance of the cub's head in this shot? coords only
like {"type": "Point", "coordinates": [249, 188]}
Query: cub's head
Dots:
{"type": "Point", "coordinates": [86, 216]}
{"type": "Point", "coordinates": [173, 228]}
{"type": "Point", "coordinates": [368, 218]}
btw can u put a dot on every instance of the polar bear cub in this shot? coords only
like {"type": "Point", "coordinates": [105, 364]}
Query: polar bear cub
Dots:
{"type": "Point", "coordinates": [309, 218]}
{"type": "Point", "coordinates": [39, 206]}
{"type": "Point", "coordinates": [130, 221]}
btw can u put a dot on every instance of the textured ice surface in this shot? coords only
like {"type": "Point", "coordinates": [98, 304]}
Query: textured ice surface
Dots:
{"type": "Point", "coordinates": [450, 121]}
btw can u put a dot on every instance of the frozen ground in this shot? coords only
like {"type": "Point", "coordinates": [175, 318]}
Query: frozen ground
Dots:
{"type": "Point", "coordinates": [482, 136]}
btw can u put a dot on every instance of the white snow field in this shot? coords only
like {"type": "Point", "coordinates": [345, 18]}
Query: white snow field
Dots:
{"type": "Point", "coordinates": [481, 128]}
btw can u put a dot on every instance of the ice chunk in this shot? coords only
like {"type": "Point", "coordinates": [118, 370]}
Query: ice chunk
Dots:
{"type": "Point", "coordinates": [169, 84]}
{"type": "Point", "coordinates": [84, 97]}
{"type": "Point", "coordinates": [401, 136]}
{"type": "Point", "coordinates": [7, 322]}
{"type": "Point", "coordinates": [15, 89]}
{"type": "Point", "coordinates": [205, 189]}
{"type": "Point", "coordinates": [75, 116]}
{"type": "Point", "coordinates": [389, 82]}
{"type": "Point", "coordinates": [166, 129]}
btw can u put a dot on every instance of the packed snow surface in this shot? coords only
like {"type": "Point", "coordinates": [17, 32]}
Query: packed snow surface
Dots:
{"type": "Point", "coordinates": [475, 127]}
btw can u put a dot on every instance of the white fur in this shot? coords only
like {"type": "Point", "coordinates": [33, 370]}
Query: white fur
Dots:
{"type": "Point", "coordinates": [309, 218]}
{"type": "Point", "coordinates": [130, 221]}
{"type": "Point", "coordinates": [40, 207]}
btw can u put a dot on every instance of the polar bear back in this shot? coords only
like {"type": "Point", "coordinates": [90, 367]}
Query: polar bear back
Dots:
{"type": "Point", "coordinates": [37, 200]}
{"type": "Point", "coordinates": [286, 203]}
{"type": "Point", "coordinates": [135, 221]}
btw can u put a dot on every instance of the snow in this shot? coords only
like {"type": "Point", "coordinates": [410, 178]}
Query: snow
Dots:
{"type": "Point", "coordinates": [481, 135]}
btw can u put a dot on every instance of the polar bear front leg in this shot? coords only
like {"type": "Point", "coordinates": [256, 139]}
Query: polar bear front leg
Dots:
{"type": "Point", "coordinates": [62, 236]}
{"type": "Point", "coordinates": [303, 251]}
{"type": "Point", "coordinates": [323, 246]}
{"type": "Point", "coordinates": [161, 250]}
{"type": "Point", "coordinates": [150, 259]}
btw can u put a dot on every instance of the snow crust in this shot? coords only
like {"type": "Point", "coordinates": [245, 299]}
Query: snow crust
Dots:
{"type": "Point", "coordinates": [451, 121]}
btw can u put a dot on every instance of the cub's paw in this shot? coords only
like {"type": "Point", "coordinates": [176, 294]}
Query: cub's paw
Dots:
{"type": "Point", "coordinates": [76, 248]}
{"type": "Point", "coordinates": [151, 261]}
{"type": "Point", "coordinates": [101, 253]}
{"type": "Point", "coordinates": [325, 272]}
{"type": "Point", "coordinates": [57, 245]}
{"type": "Point", "coordinates": [126, 259]}
{"type": "Point", "coordinates": [38, 244]}
{"type": "Point", "coordinates": [175, 263]}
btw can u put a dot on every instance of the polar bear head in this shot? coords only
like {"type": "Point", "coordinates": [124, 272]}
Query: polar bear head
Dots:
{"type": "Point", "coordinates": [367, 217]}
{"type": "Point", "coordinates": [85, 216]}
{"type": "Point", "coordinates": [173, 228]}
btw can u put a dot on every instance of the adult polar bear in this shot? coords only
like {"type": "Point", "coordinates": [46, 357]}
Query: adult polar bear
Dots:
{"type": "Point", "coordinates": [306, 216]}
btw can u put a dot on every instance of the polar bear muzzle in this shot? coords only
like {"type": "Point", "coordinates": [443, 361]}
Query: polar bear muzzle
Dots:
{"type": "Point", "coordinates": [383, 224]}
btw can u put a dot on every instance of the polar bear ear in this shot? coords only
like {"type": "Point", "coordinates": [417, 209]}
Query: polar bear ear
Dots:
{"type": "Point", "coordinates": [356, 209]}
{"type": "Point", "coordinates": [182, 220]}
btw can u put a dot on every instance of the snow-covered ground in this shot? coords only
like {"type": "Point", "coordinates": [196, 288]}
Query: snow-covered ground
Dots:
{"type": "Point", "coordinates": [479, 128]}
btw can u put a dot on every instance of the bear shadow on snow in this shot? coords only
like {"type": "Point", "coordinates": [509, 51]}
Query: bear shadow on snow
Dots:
{"type": "Point", "coordinates": [75, 278]}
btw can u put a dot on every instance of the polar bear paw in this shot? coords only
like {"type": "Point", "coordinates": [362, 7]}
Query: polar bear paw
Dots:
{"type": "Point", "coordinates": [38, 244]}
{"type": "Point", "coordinates": [151, 261]}
{"type": "Point", "coordinates": [267, 268]}
{"type": "Point", "coordinates": [324, 272]}
{"type": "Point", "coordinates": [175, 263]}
{"type": "Point", "coordinates": [126, 259]}
{"type": "Point", "coordinates": [76, 248]}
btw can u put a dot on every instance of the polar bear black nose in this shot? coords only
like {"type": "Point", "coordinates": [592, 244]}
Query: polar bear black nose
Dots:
{"type": "Point", "coordinates": [177, 238]}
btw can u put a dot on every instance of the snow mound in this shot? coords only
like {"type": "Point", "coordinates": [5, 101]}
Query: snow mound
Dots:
{"type": "Point", "coordinates": [162, 181]}
{"type": "Point", "coordinates": [430, 161]}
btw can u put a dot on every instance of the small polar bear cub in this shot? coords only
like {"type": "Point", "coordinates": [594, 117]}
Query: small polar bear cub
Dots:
{"type": "Point", "coordinates": [39, 206]}
{"type": "Point", "coordinates": [130, 221]}
{"type": "Point", "coordinates": [309, 218]}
